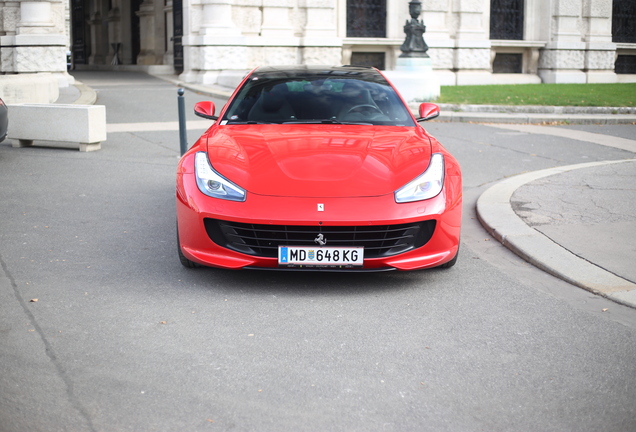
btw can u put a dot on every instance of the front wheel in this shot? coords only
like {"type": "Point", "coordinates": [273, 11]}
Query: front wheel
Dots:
{"type": "Point", "coordinates": [182, 258]}
{"type": "Point", "coordinates": [451, 262]}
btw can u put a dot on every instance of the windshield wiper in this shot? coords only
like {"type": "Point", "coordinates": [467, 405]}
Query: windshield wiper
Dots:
{"type": "Point", "coordinates": [327, 121]}
{"type": "Point", "coordinates": [235, 122]}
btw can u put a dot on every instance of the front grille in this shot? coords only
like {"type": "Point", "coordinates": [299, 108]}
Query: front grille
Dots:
{"type": "Point", "coordinates": [263, 240]}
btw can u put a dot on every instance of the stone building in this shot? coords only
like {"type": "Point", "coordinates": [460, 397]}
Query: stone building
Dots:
{"type": "Point", "coordinates": [216, 41]}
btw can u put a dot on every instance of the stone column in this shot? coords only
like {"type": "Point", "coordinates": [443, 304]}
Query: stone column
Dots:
{"type": "Point", "coordinates": [321, 19]}
{"type": "Point", "coordinates": [217, 19]}
{"type": "Point", "coordinates": [277, 42]}
{"type": "Point", "coordinates": [472, 43]}
{"type": "Point", "coordinates": [212, 42]}
{"type": "Point", "coordinates": [9, 17]}
{"type": "Point", "coordinates": [37, 43]}
{"type": "Point", "coordinates": [320, 42]}
{"type": "Point", "coordinates": [168, 57]}
{"type": "Point", "coordinates": [600, 51]}
{"type": "Point", "coordinates": [563, 59]}
{"type": "Point", "coordinates": [146, 14]}
{"type": "Point", "coordinates": [276, 19]}
{"type": "Point", "coordinates": [436, 14]}
{"type": "Point", "coordinates": [114, 33]}
{"type": "Point", "coordinates": [99, 46]}
{"type": "Point", "coordinates": [33, 46]}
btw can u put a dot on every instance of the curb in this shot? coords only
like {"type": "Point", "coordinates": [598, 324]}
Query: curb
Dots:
{"type": "Point", "coordinates": [537, 109]}
{"type": "Point", "coordinates": [531, 118]}
{"type": "Point", "coordinates": [495, 213]}
{"type": "Point", "coordinates": [88, 96]}
{"type": "Point", "coordinates": [532, 114]}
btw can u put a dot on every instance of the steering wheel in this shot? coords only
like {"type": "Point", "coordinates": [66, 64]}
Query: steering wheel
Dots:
{"type": "Point", "coordinates": [373, 107]}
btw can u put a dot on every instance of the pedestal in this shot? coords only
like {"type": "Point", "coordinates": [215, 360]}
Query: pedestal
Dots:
{"type": "Point", "coordinates": [414, 78]}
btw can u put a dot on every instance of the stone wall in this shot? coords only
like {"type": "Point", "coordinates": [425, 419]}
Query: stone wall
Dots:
{"type": "Point", "coordinates": [564, 41]}
{"type": "Point", "coordinates": [240, 35]}
{"type": "Point", "coordinates": [579, 45]}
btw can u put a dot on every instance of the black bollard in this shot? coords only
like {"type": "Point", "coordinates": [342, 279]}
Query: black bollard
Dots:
{"type": "Point", "coordinates": [183, 138]}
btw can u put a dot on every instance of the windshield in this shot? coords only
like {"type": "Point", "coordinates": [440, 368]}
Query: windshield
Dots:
{"type": "Point", "coordinates": [313, 97]}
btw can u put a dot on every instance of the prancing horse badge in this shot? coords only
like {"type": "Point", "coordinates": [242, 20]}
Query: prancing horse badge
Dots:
{"type": "Point", "coordinates": [321, 207]}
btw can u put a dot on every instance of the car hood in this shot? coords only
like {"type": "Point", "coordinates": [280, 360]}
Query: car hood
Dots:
{"type": "Point", "coordinates": [319, 160]}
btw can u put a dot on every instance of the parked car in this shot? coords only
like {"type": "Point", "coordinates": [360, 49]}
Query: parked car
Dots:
{"type": "Point", "coordinates": [318, 168]}
{"type": "Point", "coordinates": [4, 120]}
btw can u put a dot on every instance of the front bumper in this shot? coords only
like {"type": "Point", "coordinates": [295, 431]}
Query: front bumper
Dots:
{"type": "Point", "coordinates": [193, 208]}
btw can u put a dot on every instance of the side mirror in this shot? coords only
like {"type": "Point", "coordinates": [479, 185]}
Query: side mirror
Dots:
{"type": "Point", "coordinates": [205, 109]}
{"type": "Point", "coordinates": [428, 111]}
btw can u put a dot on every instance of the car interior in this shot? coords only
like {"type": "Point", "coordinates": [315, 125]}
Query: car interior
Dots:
{"type": "Point", "coordinates": [332, 100]}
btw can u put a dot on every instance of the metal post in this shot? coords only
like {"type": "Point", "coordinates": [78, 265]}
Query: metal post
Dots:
{"type": "Point", "coordinates": [182, 122]}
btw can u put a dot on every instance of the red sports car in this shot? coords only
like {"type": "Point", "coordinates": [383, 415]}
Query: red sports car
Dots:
{"type": "Point", "coordinates": [318, 168]}
{"type": "Point", "coordinates": [4, 120]}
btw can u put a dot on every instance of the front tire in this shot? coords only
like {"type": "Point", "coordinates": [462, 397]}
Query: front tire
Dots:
{"type": "Point", "coordinates": [182, 258]}
{"type": "Point", "coordinates": [451, 262]}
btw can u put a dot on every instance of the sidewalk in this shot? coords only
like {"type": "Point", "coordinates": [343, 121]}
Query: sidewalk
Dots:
{"type": "Point", "coordinates": [576, 222]}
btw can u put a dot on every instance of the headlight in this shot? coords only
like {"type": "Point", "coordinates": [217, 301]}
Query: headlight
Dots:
{"type": "Point", "coordinates": [426, 186]}
{"type": "Point", "coordinates": [212, 183]}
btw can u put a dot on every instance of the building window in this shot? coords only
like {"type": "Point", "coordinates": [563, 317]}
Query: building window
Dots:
{"type": "Point", "coordinates": [372, 59]}
{"type": "Point", "coordinates": [625, 64]}
{"type": "Point", "coordinates": [506, 19]}
{"type": "Point", "coordinates": [366, 18]}
{"type": "Point", "coordinates": [507, 63]}
{"type": "Point", "coordinates": [624, 21]}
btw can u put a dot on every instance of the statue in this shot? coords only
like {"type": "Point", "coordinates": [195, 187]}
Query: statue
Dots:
{"type": "Point", "coordinates": [414, 45]}
{"type": "Point", "coordinates": [413, 75]}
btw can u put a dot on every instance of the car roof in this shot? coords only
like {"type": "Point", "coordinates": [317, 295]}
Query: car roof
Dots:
{"type": "Point", "coordinates": [298, 71]}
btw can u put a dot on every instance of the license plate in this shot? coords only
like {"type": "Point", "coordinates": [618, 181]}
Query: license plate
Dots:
{"type": "Point", "coordinates": [312, 256]}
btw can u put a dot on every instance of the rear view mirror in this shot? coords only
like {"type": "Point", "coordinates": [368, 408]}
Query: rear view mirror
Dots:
{"type": "Point", "coordinates": [428, 111]}
{"type": "Point", "coordinates": [205, 109]}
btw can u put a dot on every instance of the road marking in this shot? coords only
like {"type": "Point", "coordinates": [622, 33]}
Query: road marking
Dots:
{"type": "Point", "coordinates": [156, 126]}
{"type": "Point", "coordinates": [604, 140]}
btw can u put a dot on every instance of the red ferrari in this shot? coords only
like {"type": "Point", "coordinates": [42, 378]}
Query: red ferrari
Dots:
{"type": "Point", "coordinates": [4, 120]}
{"type": "Point", "coordinates": [318, 168]}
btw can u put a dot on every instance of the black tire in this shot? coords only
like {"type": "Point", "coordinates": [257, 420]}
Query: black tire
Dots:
{"type": "Point", "coordinates": [184, 261]}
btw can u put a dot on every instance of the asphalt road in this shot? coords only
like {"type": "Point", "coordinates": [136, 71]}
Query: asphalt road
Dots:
{"type": "Point", "coordinates": [123, 338]}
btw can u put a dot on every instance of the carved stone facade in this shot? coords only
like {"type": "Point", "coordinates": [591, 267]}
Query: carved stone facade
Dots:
{"type": "Point", "coordinates": [561, 41]}
{"type": "Point", "coordinates": [243, 34]}
{"type": "Point", "coordinates": [33, 43]}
